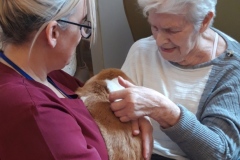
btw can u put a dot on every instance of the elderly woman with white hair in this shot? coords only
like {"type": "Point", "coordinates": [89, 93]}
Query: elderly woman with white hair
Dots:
{"type": "Point", "coordinates": [187, 79]}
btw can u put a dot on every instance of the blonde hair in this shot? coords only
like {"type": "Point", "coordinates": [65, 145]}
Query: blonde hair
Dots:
{"type": "Point", "coordinates": [20, 18]}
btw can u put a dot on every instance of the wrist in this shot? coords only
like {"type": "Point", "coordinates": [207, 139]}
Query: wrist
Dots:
{"type": "Point", "coordinates": [167, 116]}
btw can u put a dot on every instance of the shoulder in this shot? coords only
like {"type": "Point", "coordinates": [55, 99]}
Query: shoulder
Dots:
{"type": "Point", "coordinates": [65, 79]}
{"type": "Point", "coordinates": [16, 90]}
{"type": "Point", "coordinates": [230, 58]}
{"type": "Point", "coordinates": [15, 96]}
{"type": "Point", "coordinates": [12, 84]}
{"type": "Point", "coordinates": [232, 44]}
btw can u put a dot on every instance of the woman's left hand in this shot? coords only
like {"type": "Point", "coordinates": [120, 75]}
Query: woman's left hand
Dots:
{"type": "Point", "coordinates": [144, 126]}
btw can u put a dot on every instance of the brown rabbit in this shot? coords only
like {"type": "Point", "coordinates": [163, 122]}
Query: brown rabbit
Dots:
{"type": "Point", "coordinates": [120, 142]}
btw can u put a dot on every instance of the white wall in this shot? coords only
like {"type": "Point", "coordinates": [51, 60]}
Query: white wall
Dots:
{"type": "Point", "coordinates": [114, 36]}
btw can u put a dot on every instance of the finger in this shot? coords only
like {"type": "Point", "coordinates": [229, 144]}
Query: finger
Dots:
{"type": "Point", "coordinates": [116, 95]}
{"type": "Point", "coordinates": [122, 113]}
{"type": "Point", "coordinates": [147, 147]}
{"type": "Point", "coordinates": [146, 130]}
{"type": "Point", "coordinates": [124, 119]}
{"type": "Point", "coordinates": [121, 94]}
{"type": "Point", "coordinates": [124, 82]}
{"type": "Point", "coordinates": [135, 127]}
{"type": "Point", "coordinates": [117, 105]}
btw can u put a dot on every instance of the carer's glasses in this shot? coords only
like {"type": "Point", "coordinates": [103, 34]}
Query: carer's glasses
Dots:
{"type": "Point", "coordinates": [85, 28]}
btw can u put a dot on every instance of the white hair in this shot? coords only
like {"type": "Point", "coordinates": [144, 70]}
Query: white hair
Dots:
{"type": "Point", "coordinates": [194, 10]}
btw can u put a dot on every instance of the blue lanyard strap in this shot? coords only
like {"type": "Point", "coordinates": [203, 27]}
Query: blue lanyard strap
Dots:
{"type": "Point", "coordinates": [2, 55]}
{"type": "Point", "coordinates": [51, 81]}
{"type": "Point", "coordinates": [15, 66]}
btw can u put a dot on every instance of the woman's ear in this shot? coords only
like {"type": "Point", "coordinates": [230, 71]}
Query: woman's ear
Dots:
{"type": "Point", "coordinates": [52, 33]}
{"type": "Point", "coordinates": [206, 21]}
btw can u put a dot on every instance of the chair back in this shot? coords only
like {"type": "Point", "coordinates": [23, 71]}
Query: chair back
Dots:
{"type": "Point", "coordinates": [137, 22]}
{"type": "Point", "coordinates": [227, 19]}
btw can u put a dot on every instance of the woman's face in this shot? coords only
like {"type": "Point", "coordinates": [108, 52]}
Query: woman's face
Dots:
{"type": "Point", "coordinates": [175, 37]}
{"type": "Point", "coordinates": [71, 36]}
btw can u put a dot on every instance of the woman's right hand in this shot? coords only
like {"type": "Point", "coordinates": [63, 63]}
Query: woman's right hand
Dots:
{"type": "Point", "coordinates": [134, 102]}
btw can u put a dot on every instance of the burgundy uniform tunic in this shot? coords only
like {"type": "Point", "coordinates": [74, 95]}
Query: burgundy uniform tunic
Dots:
{"type": "Point", "coordinates": [37, 125]}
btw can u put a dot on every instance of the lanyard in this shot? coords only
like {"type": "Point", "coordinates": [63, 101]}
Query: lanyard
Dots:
{"type": "Point", "coordinates": [27, 76]}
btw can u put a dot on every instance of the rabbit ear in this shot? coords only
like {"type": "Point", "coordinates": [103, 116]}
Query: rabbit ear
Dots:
{"type": "Point", "coordinates": [113, 85]}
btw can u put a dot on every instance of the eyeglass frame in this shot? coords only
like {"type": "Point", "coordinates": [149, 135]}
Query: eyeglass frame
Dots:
{"type": "Point", "coordinates": [79, 25]}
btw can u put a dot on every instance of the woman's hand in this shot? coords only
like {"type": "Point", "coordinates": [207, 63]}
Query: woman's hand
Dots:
{"type": "Point", "coordinates": [134, 102]}
{"type": "Point", "coordinates": [144, 126]}
{"type": "Point", "coordinates": [130, 103]}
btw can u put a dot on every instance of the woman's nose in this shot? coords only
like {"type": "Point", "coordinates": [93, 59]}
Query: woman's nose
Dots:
{"type": "Point", "coordinates": [161, 38]}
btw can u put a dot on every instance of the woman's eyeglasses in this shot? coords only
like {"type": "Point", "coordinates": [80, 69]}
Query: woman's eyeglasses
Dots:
{"type": "Point", "coordinates": [85, 28]}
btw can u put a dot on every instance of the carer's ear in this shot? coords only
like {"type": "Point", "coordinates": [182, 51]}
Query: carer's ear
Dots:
{"type": "Point", "coordinates": [52, 33]}
{"type": "Point", "coordinates": [206, 21]}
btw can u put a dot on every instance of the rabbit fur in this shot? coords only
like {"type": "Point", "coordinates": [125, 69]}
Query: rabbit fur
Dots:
{"type": "Point", "coordinates": [120, 142]}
